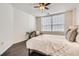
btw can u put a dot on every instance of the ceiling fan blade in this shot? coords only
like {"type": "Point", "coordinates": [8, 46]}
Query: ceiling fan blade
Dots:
{"type": "Point", "coordinates": [36, 6]}
{"type": "Point", "coordinates": [47, 4]}
{"type": "Point", "coordinates": [46, 8]}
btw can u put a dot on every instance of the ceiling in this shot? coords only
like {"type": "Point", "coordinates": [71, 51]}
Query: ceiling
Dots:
{"type": "Point", "coordinates": [53, 8]}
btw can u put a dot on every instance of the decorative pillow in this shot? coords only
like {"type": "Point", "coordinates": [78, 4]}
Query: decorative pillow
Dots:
{"type": "Point", "coordinates": [32, 34]}
{"type": "Point", "coordinates": [77, 38]}
{"type": "Point", "coordinates": [66, 33]}
{"type": "Point", "coordinates": [71, 36]}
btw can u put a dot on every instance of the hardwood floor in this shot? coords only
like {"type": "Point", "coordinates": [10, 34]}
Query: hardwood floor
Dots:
{"type": "Point", "coordinates": [18, 49]}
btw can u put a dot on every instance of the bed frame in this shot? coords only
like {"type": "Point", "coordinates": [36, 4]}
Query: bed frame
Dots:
{"type": "Point", "coordinates": [32, 50]}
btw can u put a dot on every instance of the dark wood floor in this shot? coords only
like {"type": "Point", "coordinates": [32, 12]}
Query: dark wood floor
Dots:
{"type": "Point", "coordinates": [18, 49]}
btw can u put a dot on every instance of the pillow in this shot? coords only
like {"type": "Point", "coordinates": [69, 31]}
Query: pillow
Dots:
{"type": "Point", "coordinates": [38, 32]}
{"type": "Point", "coordinates": [71, 35]}
{"type": "Point", "coordinates": [32, 34]}
{"type": "Point", "coordinates": [66, 33]}
{"type": "Point", "coordinates": [77, 38]}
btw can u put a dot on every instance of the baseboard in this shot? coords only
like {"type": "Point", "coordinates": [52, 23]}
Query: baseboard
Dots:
{"type": "Point", "coordinates": [18, 41]}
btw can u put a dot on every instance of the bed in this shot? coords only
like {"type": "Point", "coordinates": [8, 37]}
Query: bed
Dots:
{"type": "Point", "coordinates": [53, 45]}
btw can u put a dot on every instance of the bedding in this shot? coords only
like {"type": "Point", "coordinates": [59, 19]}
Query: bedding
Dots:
{"type": "Point", "coordinates": [53, 45]}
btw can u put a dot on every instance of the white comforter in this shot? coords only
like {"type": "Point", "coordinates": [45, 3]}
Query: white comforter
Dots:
{"type": "Point", "coordinates": [53, 45]}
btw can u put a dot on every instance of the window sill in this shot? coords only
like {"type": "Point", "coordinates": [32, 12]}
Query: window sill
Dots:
{"type": "Point", "coordinates": [54, 33]}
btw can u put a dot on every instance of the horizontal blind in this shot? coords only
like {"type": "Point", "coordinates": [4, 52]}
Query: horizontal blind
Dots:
{"type": "Point", "coordinates": [53, 23]}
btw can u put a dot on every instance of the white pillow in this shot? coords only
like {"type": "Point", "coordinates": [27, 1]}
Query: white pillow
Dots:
{"type": "Point", "coordinates": [38, 32]}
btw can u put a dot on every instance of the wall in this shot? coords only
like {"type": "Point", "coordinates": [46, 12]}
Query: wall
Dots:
{"type": "Point", "coordinates": [69, 18]}
{"type": "Point", "coordinates": [38, 23]}
{"type": "Point", "coordinates": [14, 23]}
{"type": "Point", "coordinates": [6, 27]}
{"type": "Point", "coordinates": [23, 23]}
{"type": "Point", "coordinates": [77, 15]}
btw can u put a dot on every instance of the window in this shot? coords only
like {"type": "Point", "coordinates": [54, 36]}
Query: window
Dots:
{"type": "Point", "coordinates": [53, 23]}
{"type": "Point", "coordinates": [46, 23]}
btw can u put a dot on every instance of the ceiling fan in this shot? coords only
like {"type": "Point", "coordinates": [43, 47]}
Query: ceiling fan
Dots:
{"type": "Point", "coordinates": [42, 6]}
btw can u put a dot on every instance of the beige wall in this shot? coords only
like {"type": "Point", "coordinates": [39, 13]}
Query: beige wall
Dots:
{"type": "Point", "coordinates": [38, 23]}
{"type": "Point", "coordinates": [74, 16]}
{"type": "Point", "coordinates": [77, 15]}
{"type": "Point", "coordinates": [70, 17]}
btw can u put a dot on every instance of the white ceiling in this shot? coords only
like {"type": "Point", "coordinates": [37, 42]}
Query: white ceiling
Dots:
{"type": "Point", "coordinates": [53, 8]}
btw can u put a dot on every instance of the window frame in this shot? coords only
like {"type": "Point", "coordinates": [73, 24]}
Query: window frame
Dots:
{"type": "Point", "coordinates": [53, 24]}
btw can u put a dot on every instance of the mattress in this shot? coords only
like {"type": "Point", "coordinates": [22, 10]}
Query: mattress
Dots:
{"type": "Point", "coordinates": [53, 45]}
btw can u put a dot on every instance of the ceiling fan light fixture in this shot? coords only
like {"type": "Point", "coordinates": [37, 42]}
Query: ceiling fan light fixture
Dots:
{"type": "Point", "coordinates": [42, 8]}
